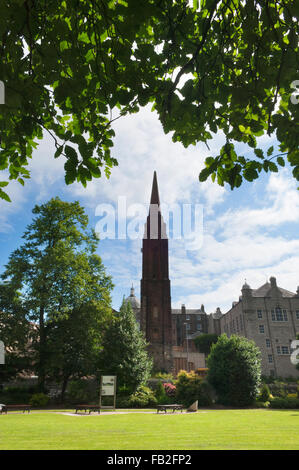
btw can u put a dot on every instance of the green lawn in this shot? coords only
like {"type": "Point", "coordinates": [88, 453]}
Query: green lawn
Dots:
{"type": "Point", "coordinates": [219, 429]}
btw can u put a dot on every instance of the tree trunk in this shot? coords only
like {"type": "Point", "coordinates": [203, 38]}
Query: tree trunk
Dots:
{"type": "Point", "coordinates": [42, 351]}
{"type": "Point", "coordinates": [64, 386]}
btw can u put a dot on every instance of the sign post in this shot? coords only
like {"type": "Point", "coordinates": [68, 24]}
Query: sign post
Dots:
{"type": "Point", "coordinates": [108, 388]}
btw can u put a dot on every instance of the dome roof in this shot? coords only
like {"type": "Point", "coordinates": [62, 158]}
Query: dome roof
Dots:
{"type": "Point", "coordinates": [246, 286]}
{"type": "Point", "coordinates": [133, 299]}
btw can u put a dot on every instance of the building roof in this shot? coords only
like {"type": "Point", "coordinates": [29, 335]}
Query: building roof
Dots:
{"type": "Point", "coordinates": [265, 288]}
{"type": "Point", "coordinates": [178, 311]}
{"type": "Point", "coordinates": [133, 299]}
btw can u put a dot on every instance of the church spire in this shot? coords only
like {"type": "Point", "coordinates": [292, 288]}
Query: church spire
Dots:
{"type": "Point", "coordinates": [155, 226]}
{"type": "Point", "coordinates": [155, 286]}
{"type": "Point", "coordinates": [155, 191]}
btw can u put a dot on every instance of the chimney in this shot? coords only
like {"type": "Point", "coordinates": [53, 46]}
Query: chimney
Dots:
{"type": "Point", "coordinates": [183, 309]}
{"type": "Point", "coordinates": [273, 281]}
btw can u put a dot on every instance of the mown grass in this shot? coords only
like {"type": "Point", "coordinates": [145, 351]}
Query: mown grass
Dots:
{"type": "Point", "coordinates": [216, 429]}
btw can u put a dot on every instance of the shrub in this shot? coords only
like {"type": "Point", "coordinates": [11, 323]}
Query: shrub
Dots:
{"type": "Point", "coordinates": [265, 394]}
{"type": "Point", "coordinates": [262, 404]}
{"type": "Point", "coordinates": [161, 395]}
{"type": "Point", "coordinates": [122, 401]}
{"type": "Point", "coordinates": [279, 389]}
{"type": "Point", "coordinates": [39, 399]}
{"type": "Point", "coordinates": [78, 391]}
{"type": "Point", "coordinates": [204, 342]}
{"type": "Point", "coordinates": [284, 403]}
{"type": "Point", "coordinates": [190, 387]}
{"type": "Point", "coordinates": [16, 395]}
{"type": "Point", "coordinates": [170, 389]}
{"type": "Point", "coordinates": [143, 396]}
{"type": "Point", "coordinates": [163, 375]}
{"type": "Point", "coordinates": [234, 370]}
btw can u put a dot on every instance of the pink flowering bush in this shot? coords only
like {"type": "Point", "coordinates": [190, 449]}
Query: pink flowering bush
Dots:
{"type": "Point", "coordinates": [170, 389]}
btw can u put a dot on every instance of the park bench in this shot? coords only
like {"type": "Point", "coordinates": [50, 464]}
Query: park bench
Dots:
{"type": "Point", "coordinates": [6, 408]}
{"type": "Point", "coordinates": [174, 408]}
{"type": "Point", "coordinates": [88, 408]}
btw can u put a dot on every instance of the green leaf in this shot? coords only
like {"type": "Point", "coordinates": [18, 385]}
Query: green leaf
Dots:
{"type": "Point", "coordinates": [270, 151]}
{"type": "Point", "coordinates": [273, 167]}
{"type": "Point", "coordinates": [4, 196]}
{"type": "Point", "coordinates": [259, 153]}
{"type": "Point", "coordinates": [280, 161]}
{"type": "Point", "coordinates": [71, 154]}
{"type": "Point", "coordinates": [58, 152]}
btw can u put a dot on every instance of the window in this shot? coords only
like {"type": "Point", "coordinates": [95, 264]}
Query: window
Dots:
{"type": "Point", "coordinates": [297, 314]}
{"type": "Point", "coordinates": [270, 358]}
{"type": "Point", "coordinates": [261, 329]}
{"type": "Point", "coordinates": [283, 350]}
{"type": "Point", "coordinates": [259, 314]}
{"type": "Point", "coordinates": [268, 343]}
{"type": "Point", "coordinates": [198, 326]}
{"type": "Point", "coordinates": [279, 315]}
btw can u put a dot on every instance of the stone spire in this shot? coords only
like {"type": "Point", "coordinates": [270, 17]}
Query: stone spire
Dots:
{"type": "Point", "coordinates": [155, 191]}
{"type": "Point", "coordinates": [156, 319]}
{"type": "Point", "coordinates": [155, 227]}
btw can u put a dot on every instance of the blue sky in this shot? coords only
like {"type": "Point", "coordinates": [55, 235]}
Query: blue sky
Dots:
{"type": "Point", "coordinates": [250, 233]}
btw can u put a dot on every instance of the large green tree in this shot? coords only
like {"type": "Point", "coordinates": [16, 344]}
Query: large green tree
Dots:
{"type": "Point", "coordinates": [71, 67]}
{"type": "Point", "coordinates": [235, 370]}
{"type": "Point", "coordinates": [63, 288]}
{"type": "Point", "coordinates": [124, 351]}
{"type": "Point", "coordinates": [14, 332]}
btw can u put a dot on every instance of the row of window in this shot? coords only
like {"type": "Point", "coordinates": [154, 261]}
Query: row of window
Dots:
{"type": "Point", "coordinates": [277, 314]}
{"type": "Point", "coordinates": [234, 326]}
{"type": "Point", "coordinates": [281, 350]}
{"type": "Point", "coordinates": [198, 326]}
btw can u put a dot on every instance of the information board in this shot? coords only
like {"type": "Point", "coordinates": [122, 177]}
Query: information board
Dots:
{"type": "Point", "coordinates": [108, 385]}
{"type": "Point", "coordinates": [108, 389]}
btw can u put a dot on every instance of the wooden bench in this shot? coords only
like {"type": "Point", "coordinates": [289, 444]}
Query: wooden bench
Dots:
{"type": "Point", "coordinates": [174, 408]}
{"type": "Point", "coordinates": [88, 408]}
{"type": "Point", "coordinates": [23, 408]}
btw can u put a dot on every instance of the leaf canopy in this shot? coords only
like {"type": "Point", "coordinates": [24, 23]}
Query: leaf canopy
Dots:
{"type": "Point", "coordinates": [72, 68]}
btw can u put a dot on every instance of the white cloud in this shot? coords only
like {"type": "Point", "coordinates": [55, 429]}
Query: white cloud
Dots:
{"type": "Point", "coordinates": [242, 243]}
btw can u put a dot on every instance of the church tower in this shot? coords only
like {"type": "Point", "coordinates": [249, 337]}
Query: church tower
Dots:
{"type": "Point", "coordinates": [155, 286]}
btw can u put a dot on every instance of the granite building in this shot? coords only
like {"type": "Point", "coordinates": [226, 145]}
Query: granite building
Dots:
{"type": "Point", "coordinates": [268, 315]}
